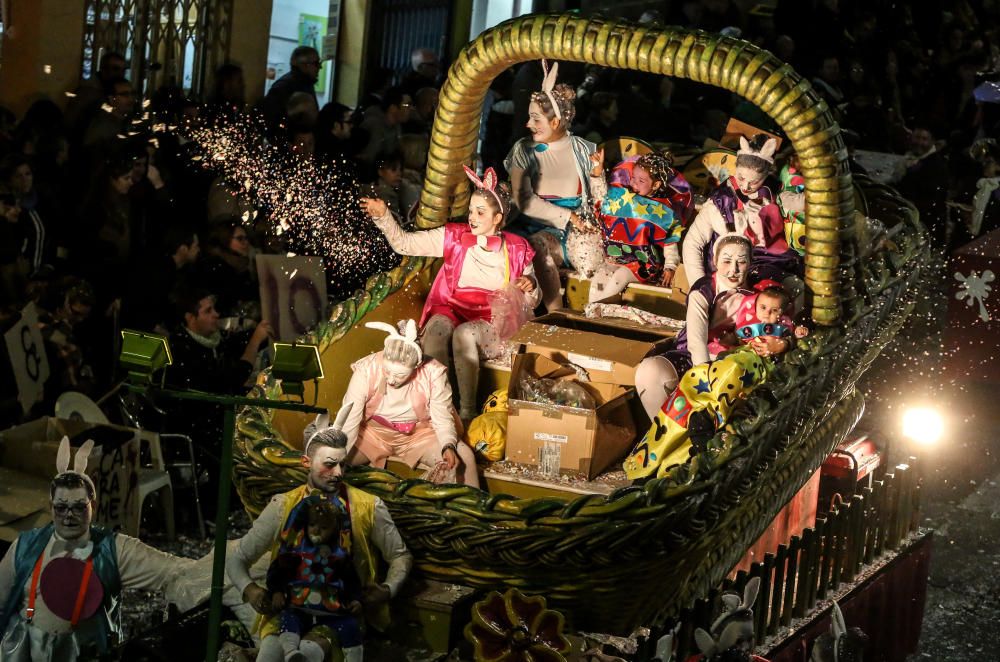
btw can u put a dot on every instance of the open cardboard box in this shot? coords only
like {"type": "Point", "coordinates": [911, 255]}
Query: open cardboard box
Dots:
{"type": "Point", "coordinates": [586, 441]}
{"type": "Point", "coordinates": [609, 352]}
{"type": "Point", "coordinates": [28, 464]}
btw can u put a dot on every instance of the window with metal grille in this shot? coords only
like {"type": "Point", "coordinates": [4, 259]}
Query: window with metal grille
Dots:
{"type": "Point", "coordinates": [165, 42]}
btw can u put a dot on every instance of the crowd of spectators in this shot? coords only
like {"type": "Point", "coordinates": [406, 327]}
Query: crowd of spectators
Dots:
{"type": "Point", "coordinates": [104, 226]}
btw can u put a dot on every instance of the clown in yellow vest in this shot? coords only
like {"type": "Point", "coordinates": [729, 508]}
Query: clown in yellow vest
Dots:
{"type": "Point", "coordinates": [371, 528]}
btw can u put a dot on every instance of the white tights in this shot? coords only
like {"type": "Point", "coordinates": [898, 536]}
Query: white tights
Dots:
{"type": "Point", "coordinates": [470, 343]}
{"type": "Point", "coordinates": [609, 280]}
{"type": "Point", "coordinates": [548, 258]}
{"type": "Point", "coordinates": [655, 379]}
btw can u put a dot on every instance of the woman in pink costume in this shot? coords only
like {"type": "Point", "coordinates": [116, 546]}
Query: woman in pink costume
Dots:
{"type": "Point", "coordinates": [479, 259]}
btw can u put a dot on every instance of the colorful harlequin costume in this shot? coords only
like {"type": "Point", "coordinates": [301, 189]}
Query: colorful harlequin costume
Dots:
{"type": "Point", "coordinates": [642, 234]}
{"type": "Point", "coordinates": [372, 534]}
{"type": "Point", "coordinates": [318, 578]}
{"type": "Point", "coordinates": [707, 392]}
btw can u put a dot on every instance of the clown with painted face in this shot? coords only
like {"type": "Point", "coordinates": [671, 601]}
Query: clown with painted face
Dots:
{"type": "Point", "coordinates": [401, 407]}
{"type": "Point", "coordinates": [480, 258]}
{"type": "Point", "coordinates": [367, 533]}
{"type": "Point", "coordinates": [60, 585]}
{"type": "Point", "coordinates": [712, 305]}
{"type": "Point", "coordinates": [549, 174]}
{"type": "Point", "coordinates": [744, 205]}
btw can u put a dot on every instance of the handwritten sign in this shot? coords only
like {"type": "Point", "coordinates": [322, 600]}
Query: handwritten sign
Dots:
{"type": "Point", "coordinates": [292, 293]}
{"type": "Point", "coordinates": [115, 472]}
{"type": "Point", "coordinates": [28, 359]}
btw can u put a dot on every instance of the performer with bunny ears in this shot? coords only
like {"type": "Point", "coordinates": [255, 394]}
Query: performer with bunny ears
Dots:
{"type": "Point", "coordinates": [401, 406]}
{"type": "Point", "coordinates": [367, 533]}
{"type": "Point", "coordinates": [479, 259]}
{"type": "Point", "coordinates": [550, 178]}
{"type": "Point", "coordinates": [744, 205]}
{"type": "Point", "coordinates": [60, 585]}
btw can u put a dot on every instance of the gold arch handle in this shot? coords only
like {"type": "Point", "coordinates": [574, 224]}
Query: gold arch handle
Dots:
{"type": "Point", "coordinates": [731, 64]}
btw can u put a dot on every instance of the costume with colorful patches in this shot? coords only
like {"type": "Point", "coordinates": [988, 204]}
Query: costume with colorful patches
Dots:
{"type": "Point", "coordinates": [642, 221]}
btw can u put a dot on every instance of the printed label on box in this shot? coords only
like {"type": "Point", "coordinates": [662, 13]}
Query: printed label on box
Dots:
{"type": "Point", "coordinates": [590, 362]}
{"type": "Point", "coordinates": [549, 458]}
{"type": "Point", "coordinates": [545, 436]}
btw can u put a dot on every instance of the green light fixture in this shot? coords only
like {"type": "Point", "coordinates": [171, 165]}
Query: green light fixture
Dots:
{"type": "Point", "coordinates": [293, 364]}
{"type": "Point", "coordinates": [143, 355]}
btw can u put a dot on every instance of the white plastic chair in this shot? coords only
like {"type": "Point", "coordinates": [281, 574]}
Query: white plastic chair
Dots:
{"type": "Point", "coordinates": [75, 406]}
{"type": "Point", "coordinates": [156, 479]}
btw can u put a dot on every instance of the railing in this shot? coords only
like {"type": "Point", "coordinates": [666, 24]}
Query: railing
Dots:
{"type": "Point", "coordinates": [856, 532]}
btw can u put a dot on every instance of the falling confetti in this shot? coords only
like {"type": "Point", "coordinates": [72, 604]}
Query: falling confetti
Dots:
{"type": "Point", "coordinates": [311, 205]}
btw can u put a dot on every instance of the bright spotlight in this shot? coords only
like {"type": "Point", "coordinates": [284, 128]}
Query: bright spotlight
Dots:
{"type": "Point", "coordinates": [923, 425]}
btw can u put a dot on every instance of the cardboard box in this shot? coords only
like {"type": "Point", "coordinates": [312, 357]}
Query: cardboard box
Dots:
{"type": "Point", "coordinates": [608, 351]}
{"type": "Point", "coordinates": [558, 438]}
{"type": "Point", "coordinates": [431, 615]}
{"type": "Point", "coordinates": [28, 464]}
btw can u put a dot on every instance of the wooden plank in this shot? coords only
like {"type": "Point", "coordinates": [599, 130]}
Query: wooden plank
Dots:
{"type": "Point", "coordinates": [764, 596]}
{"type": "Point", "coordinates": [827, 554]}
{"type": "Point", "coordinates": [791, 579]}
{"type": "Point", "coordinates": [777, 589]}
{"type": "Point", "coordinates": [805, 586]}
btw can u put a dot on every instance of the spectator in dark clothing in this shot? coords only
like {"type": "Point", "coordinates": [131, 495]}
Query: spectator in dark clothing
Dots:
{"type": "Point", "coordinates": [147, 305]}
{"type": "Point", "coordinates": [13, 265]}
{"type": "Point", "coordinates": [379, 82]}
{"type": "Point", "coordinates": [335, 132]}
{"type": "Point", "coordinates": [425, 103]}
{"type": "Point", "coordinates": [383, 124]}
{"type": "Point", "coordinates": [87, 98]}
{"type": "Point", "coordinates": [111, 120]}
{"type": "Point", "coordinates": [425, 72]}
{"type": "Point", "coordinates": [17, 178]}
{"type": "Point", "coordinates": [229, 94]}
{"type": "Point", "coordinates": [225, 268]}
{"type": "Point", "coordinates": [105, 229]}
{"type": "Point", "coordinates": [305, 65]}
{"type": "Point", "coordinates": [925, 183]}
{"type": "Point", "coordinates": [208, 359]}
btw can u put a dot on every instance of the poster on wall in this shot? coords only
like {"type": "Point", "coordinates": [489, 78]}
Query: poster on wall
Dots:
{"type": "Point", "coordinates": [312, 29]}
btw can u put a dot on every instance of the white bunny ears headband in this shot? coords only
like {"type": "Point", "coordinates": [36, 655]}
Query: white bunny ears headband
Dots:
{"type": "Point", "coordinates": [549, 83]}
{"type": "Point", "coordinates": [408, 337]}
{"type": "Point", "coordinates": [328, 430]}
{"type": "Point", "coordinates": [79, 462]}
{"type": "Point", "coordinates": [766, 153]}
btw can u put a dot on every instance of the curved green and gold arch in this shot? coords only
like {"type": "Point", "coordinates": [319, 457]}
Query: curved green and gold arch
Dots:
{"type": "Point", "coordinates": [724, 62]}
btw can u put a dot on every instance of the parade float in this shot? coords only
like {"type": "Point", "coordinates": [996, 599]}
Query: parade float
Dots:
{"type": "Point", "coordinates": [641, 554]}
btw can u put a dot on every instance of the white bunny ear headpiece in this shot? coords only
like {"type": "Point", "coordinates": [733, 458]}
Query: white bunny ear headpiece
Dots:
{"type": "Point", "coordinates": [408, 337]}
{"type": "Point", "coordinates": [765, 153]}
{"type": "Point", "coordinates": [333, 430]}
{"type": "Point", "coordinates": [79, 461]}
{"type": "Point", "coordinates": [549, 84]}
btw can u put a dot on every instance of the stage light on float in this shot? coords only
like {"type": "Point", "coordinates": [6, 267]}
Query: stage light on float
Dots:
{"type": "Point", "coordinates": [143, 355]}
{"type": "Point", "coordinates": [924, 425]}
{"type": "Point", "coordinates": [293, 364]}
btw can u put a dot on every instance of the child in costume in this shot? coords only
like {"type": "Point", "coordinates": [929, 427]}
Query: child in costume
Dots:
{"type": "Point", "coordinates": [312, 583]}
{"type": "Point", "coordinates": [762, 314]}
{"type": "Point", "coordinates": [551, 189]}
{"type": "Point", "coordinates": [479, 259]}
{"type": "Point", "coordinates": [642, 222]}
{"type": "Point", "coordinates": [744, 205]}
